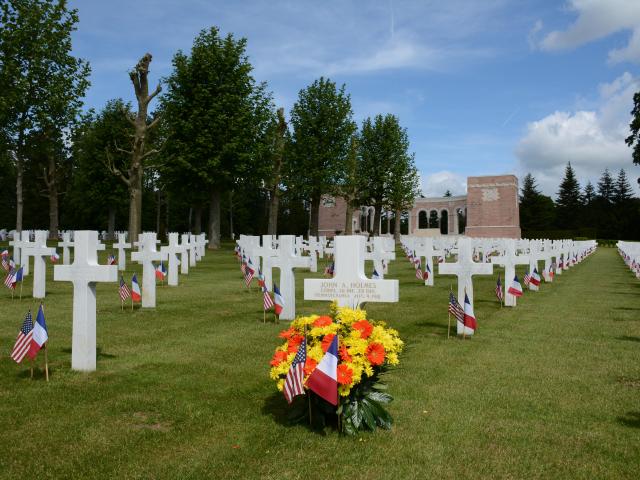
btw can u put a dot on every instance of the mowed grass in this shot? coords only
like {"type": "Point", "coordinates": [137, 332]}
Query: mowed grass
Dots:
{"type": "Point", "coordinates": [550, 389]}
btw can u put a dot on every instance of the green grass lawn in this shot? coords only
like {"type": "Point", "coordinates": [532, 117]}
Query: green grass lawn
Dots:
{"type": "Point", "coordinates": [550, 389]}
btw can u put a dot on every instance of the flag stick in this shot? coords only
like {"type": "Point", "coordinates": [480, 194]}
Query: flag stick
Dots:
{"type": "Point", "coordinates": [264, 316]}
{"type": "Point", "coordinates": [31, 368]}
{"type": "Point", "coordinates": [464, 325]}
{"type": "Point", "coordinates": [46, 361]}
{"type": "Point", "coordinates": [449, 313]}
{"type": "Point", "coordinates": [21, 282]}
{"type": "Point", "coordinates": [308, 392]}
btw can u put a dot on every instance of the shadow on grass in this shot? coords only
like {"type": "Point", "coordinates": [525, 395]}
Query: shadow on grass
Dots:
{"type": "Point", "coordinates": [292, 415]}
{"type": "Point", "coordinates": [632, 419]}
{"type": "Point", "coordinates": [38, 372]}
{"type": "Point", "coordinates": [627, 309]}
{"type": "Point", "coordinates": [438, 327]}
{"type": "Point", "coordinates": [99, 353]}
{"type": "Point", "coordinates": [629, 338]}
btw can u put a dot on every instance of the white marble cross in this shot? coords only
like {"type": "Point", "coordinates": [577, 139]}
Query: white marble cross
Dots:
{"type": "Point", "coordinates": [39, 251]}
{"type": "Point", "coordinates": [547, 256]}
{"type": "Point", "coordinates": [202, 244]}
{"type": "Point", "coordinates": [24, 254]}
{"type": "Point", "coordinates": [84, 272]}
{"type": "Point", "coordinates": [65, 244]}
{"type": "Point", "coordinates": [286, 261]}
{"type": "Point", "coordinates": [464, 269]}
{"type": "Point", "coordinates": [380, 256]}
{"type": "Point", "coordinates": [509, 259]}
{"type": "Point", "coordinates": [121, 246]}
{"type": "Point", "coordinates": [193, 250]}
{"type": "Point", "coordinates": [535, 255]}
{"type": "Point", "coordinates": [17, 245]}
{"type": "Point", "coordinates": [350, 287]}
{"type": "Point", "coordinates": [173, 250]}
{"type": "Point", "coordinates": [424, 247]}
{"type": "Point", "coordinates": [184, 257]}
{"type": "Point", "coordinates": [146, 256]}
{"type": "Point", "coordinates": [266, 252]}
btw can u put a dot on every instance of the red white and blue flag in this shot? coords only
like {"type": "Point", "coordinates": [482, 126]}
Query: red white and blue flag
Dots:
{"type": "Point", "coordinates": [534, 282]}
{"type": "Point", "coordinates": [267, 301]}
{"type": "Point", "coordinates": [23, 342]}
{"type": "Point", "coordinates": [261, 282]}
{"type": "Point", "coordinates": [469, 316]}
{"type": "Point", "coordinates": [375, 275]}
{"type": "Point", "coordinates": [277, 300]}
{"type": "Point", "coordinates": [5, 253]}
{"type": "Point", "coordinates": [324, 379]}
{"type": "Point", "coordinates": [54, 257]}
{"type": "Point", "coordinates": [124, 290]}
{"type": "Point", "coordinates": [136, 294]}
{"type": "Point", "coordinates": [161, 271]}
{"type": "Point", "coordinates": [427, 272]}
{"type": "Point", "coordinates": [40, 334]}
{"type": "Point", "coordinates": [515, 289]}
{"type": "Point", "coordinates": [111, 260]}
{"type": "Point", "coordinates": [249, 272]}
{"type": "Point", "coordinates": [419, 270]}
{"type": "Point", "coordinates": [330, 270]}
{"type": "Point", "coordinates": [6, 263]}
{"type": "Point", "coordinates": [293, 384]}
{"type": "Point", "coordinates": [455, 309]}
{"type": "Point", "coordinates": [527, 278]}
{"type": "Point", "coordinates": [499, 290]}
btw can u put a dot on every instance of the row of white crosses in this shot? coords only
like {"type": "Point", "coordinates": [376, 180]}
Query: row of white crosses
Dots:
{"type": "Point", "coordinates": [630, 253]}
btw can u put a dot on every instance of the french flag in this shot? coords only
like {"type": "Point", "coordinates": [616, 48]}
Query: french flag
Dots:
{"type": "Point", "coordinates": [375, 275]}
{"type": "Point", "coordinates": [277, 300]}
{"type": "Point", "coordinates": [427, 271]}
{"type": "Point", "coordinates": [534, 282]}
{"type": "Point", "coordinates": [324, 379]}
{"type": "Point", "coordinates": [515, 289]}
{"type": "Point", "coordinates": [40, 334]}
{"type": "Point", "coordinates": [136, 294]}
{"type": "Point", "coordinates": [161, 271]}
{"type": "Point", "coordinates": [469, 316]}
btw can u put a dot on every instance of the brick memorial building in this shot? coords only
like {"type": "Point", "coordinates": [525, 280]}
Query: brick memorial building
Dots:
{"type": "Point", "coordinates": [490, 209]}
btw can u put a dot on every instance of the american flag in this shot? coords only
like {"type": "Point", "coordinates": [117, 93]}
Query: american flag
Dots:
{"type": "Point", "coordinates": [5, 253]}
{"type": "Point", "coordinates": [5, 263]}
{"type": "Point", "coordinates": [249, 273]}
{"type": "Point", "coordinates": [111, 260]}
{"type": "Point", "coordinates": [499, 293]}
{"type": "Point", "coordinates": [329, 271]}
{"type": "Point", "coordinates": [124, 290]}
{"type": "Point", "coordinates": [10, 281]}
{"type": "Point", "coordinates": [293, 383]}
{"type": "Point", "coordinates": [455, 309]}
{"type": "Point", "coordinates": [419, 273]}
{"type": "Point", "coordinates": [23, 342]}
{"type": "Point", "coordinates": [267, 301]}
{"type": "Point", "coordinates": [526, 279]}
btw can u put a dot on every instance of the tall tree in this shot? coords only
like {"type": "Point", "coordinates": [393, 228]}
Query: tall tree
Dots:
{"type": "Point", "coordinates": [140, 151]}
{"type": "Point", "coordinates": [217, 118]}
{"type": "Point", "coordinates": [384, 148]}
{"type": "Point", "coordinates": [536, 209]}
{"type": "Point", "coordinates": [588, 194]}
{"type": "Point", "coordinates": [350, 186]}
{"type": "Point", "coordinates": [322, 125]}
{"type": "Point", "coordinates": [622, 190]}
{"type": "Point", "coordinates": [569, 199]}
{"type": "Point", "coordinates": [41, 84]}
{"type": "Point", "coordinates": [606, 186]}
{"type": "Point", "coordinates": [404, 187]}
{"type": "Point", "coordinates": [633, 140]}
{"type": "Point", "coordinates": [96, 196]}
{"type": "Point", "coordinates": [276, 174]}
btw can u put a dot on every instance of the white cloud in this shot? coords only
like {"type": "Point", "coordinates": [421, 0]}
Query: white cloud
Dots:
{"type": "Point", "coordinates": [598, 19]}
{"type": "Point", "coordinates": [591, 140]}
{"type": "Point", "coordinates": [436, 184]}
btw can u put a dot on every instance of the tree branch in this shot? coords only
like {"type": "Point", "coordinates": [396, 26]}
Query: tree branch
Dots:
{"type": "Point", "coordinates": [154, 122]}
{"type": "Point", "coordinates": [111, 167]}
{"type": "Point", "coordinates": [154, 93]}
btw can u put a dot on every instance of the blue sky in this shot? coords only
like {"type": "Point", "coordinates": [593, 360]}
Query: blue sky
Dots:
{"type": "Point", "coordinates": [483, 87]}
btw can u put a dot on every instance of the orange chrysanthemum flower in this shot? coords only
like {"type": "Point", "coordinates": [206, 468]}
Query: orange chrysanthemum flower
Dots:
{"type": "Point", "coordinates": [278, 358]}
{"type": "Point", "coordinates": [287, 334]}
{"type": "Point", "coordinates": [344, 354]}
{"type": "Point", "coordinates": [364, 327]}
{"type": "Point", "coordinates": [326, 341]}
{"type": "Point", "coordinates": [375, 353]}
{"type": "Point", "coordinates": [345, 374]}
{"type": "Point", "coordinates": [322, 321]}
{"type": "Point", "coordinates": [310, 365]}
{"type": "Point", "coordinates": [294, 343]}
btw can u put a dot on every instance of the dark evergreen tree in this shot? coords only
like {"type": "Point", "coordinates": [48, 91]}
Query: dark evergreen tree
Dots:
{"type": "Point", "coordinates": [537, 211]}
{"type": "Point", "coordinates": [606, 186]}
{"type": "Point", "coordinates": [622, 189]}
{"type": "Point", "coordinates": [588, 194]}
{"type": "Point", "coordinates": [569, 201]}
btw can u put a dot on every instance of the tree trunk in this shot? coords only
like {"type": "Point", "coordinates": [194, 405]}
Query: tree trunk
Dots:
{"type": "Point", "coordinates": [214, 219]}
{"type": "Point", "coordinates": [376, 219]}
{"type": "Point", "coordinates": [272, 227]}
{"type": "Point", "coordinates": [135, 206]}
{"type": "Point", "coordinates": [231, 214]}
{"type": "Point", "coordinates": [348, 221]}
{"type": "Point", "coordinates": [388, 223]}
{"type": "Point", "coordinates": [19, 197]}
{"type": "Point", "coordinates": [53, 211]}
{"type": "Point", "coordinates": [315, 215]}
{"type": "Point", "coordinates": [396, 226]}
{"type": "Point", "coordinates": [111, 223]}
{"type": "Point", "coordinates": [197, 222]}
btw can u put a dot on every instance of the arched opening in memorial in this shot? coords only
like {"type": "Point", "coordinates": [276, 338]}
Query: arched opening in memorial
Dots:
{"type": "Point", "coordinates": [444, 222]}
{"type": "Point", "coordinates": [434, 221]}
{"type": "Point", "coordinates": [423, 219]}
